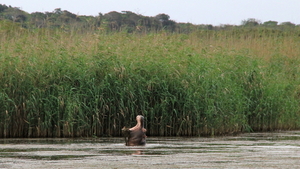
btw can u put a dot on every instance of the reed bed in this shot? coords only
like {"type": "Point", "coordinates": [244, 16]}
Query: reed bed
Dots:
{"type": "Point", "coordinates": [74, 84]}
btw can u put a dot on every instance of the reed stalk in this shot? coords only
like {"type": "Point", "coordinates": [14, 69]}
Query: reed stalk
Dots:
{"type": "Point", "coordinates": [69, 84]}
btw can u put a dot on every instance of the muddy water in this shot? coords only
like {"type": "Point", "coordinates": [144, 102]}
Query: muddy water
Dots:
{"type": "Point", "coordinates": [251, 150]}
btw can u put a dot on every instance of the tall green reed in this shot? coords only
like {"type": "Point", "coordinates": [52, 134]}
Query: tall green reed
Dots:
{"type": "Point", "coordinates": [68, 84]}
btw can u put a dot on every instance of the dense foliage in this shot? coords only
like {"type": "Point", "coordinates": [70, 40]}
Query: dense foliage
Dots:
{"type": "Point", "coordinates": [125, 21]}
{"type": "Point", "coordinates": [58, 83]}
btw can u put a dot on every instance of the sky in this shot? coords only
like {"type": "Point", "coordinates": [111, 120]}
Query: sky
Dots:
{"type": "Point", "coordinates": [215, 12]}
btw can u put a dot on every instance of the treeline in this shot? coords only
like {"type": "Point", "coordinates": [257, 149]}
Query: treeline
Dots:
{"type": "Point", "coordinates": [120, 21]}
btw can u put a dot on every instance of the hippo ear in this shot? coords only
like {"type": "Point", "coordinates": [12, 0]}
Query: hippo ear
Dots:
{"type": "Point", "coordinates": [125, 128]}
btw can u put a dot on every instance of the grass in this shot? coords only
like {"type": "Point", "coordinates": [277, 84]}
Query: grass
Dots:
{"type": "Point", "coordinates": [70, 84]}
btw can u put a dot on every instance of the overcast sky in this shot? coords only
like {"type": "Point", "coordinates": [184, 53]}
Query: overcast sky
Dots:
{"type": "Point", "coordinates": [213, 12]}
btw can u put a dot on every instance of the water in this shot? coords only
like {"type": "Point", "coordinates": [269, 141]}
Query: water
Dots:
{"type": "Point", "coordinates": [250, 150]}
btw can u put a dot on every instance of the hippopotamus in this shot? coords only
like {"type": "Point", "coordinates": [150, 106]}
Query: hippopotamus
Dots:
{"type": "Point", "coordinates": [135, 136]}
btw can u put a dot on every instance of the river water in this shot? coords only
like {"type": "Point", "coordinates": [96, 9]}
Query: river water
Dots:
{"type": "Point", "coordinates": [249, 150]}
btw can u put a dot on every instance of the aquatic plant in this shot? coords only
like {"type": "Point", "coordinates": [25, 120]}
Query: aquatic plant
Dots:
{"type": "Point", "coordinates": [70, 84]}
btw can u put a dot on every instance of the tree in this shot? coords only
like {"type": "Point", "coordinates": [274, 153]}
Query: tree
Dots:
{"type": "Point", "coordinates": [210, 27]}
{"type": "Point", "coordinates": [38, 19]}
{"type": "Point", "coordinates": [162, 17]}
{"type": "Point", "coordinates": [165, 21]}
{"type": "Point", "coordinates": [69, 14]}
{"type": "Point", "coordinates": [130, 18]}
{"type": "Point", "coordinates": [270, 23]}
{"type": "Point", "coordinates": [58, 11]}
{"type": "Point", "coordinates": [15, 14]}
{"type": "Point", "coordinates": [250, 22]}
{"type": "Point", "coordinates": [2, 8]}
{"type": "Point", "coordinates": [38, 15]}
{"type": "Point", "coordinates": [67, 17]}
{"type": "Point", "coordinates": [115, 20]}
{"type": "Point", "coordinates": [113, 16]}
{"type": "Point", "coordinates": [288, 24]}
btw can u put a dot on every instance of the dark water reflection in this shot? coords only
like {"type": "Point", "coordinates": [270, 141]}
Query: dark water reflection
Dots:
{"type": "Point", "coordinates": [245, 150]}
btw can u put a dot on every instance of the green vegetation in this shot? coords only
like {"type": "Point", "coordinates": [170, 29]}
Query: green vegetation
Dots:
{"type": "Point", "coordinates": [124, 21]}
{"type": "Point", "coordinates": [58, 83]}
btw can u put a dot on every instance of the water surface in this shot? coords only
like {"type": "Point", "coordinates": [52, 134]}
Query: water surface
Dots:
{"type": "Point", "coordinates": [250, 150]}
